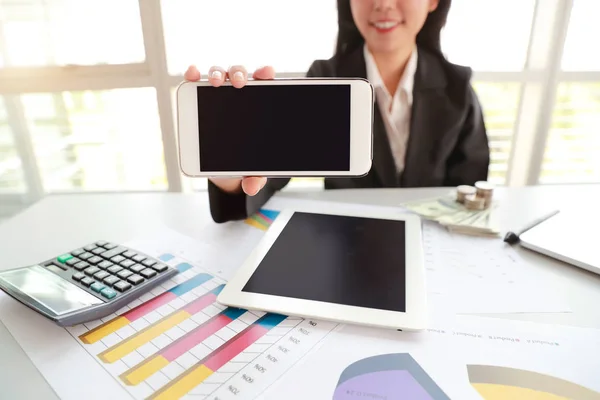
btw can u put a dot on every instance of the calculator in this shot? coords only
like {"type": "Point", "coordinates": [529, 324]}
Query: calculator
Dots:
{"type": "Point", "coordinates": [87, 283]}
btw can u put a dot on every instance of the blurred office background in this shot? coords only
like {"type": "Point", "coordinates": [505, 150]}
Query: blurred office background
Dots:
{"type": "Point", "coordinates": [87, 86]}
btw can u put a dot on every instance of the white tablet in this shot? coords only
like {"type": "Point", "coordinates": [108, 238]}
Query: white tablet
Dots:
{"type": "Point", "coordinates": [362, 268]}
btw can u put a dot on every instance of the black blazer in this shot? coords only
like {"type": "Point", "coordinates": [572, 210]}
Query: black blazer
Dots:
{"type": "Point", "coordinates": [447, 145]}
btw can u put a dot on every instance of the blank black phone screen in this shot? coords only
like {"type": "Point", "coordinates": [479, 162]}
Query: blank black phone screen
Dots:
{"type": "Point", "coordinates": [274, 128]}
{"type": "Point", "coordinates": [336, 259]}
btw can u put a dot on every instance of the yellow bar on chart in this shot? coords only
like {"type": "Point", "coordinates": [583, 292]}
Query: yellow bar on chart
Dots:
{"type": "Point", "coordinates": [183, 385]}
{"type": "Point", "coordinates": [128, 345]}
{"type": "Point", "coordinates": [104, 330]}
{"type": "Point", "coordinates": [144, 371]}
{"type": "Point", "coordinates": [256, 224]}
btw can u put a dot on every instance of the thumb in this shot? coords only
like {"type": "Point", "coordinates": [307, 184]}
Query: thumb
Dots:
{"type": "Point", "coordinates": [252, 185]}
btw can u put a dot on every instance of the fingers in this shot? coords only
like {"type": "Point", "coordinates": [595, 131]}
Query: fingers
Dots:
{"type": "Point", "coordinates": [252, 185]}
{"type": "Point", "coordinates": [192, 74]}
{"type": "Point", "coordinates": [267, 72]}
{"type": "Point", "coordinates": [249, 185]}
{"type": "Point", "coordinates": [238, 76]}
{"type": "Point", "coordinates": [217, 75]}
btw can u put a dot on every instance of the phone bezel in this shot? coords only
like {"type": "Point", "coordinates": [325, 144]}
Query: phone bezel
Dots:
{"type": "Point", "coordinates": [361, 128]}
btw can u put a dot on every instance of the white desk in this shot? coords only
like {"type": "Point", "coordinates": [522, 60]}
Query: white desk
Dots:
{"type": "Point", "coordinates": [55, 223]}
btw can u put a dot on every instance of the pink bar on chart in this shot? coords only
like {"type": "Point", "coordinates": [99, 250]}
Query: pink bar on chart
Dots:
{"type": "Point", "coordinates": [234, 347]}
{"type": "Point", "coordinates": [200, 303]}
{"type": "Point", "coordinates": [264, 218]}
{"type": "Point", "coordinates": [195, 337]}
{"type": "Point", "coordinates": [149, 306]}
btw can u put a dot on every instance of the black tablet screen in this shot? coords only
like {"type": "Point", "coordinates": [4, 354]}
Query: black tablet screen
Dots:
{"type": "Point", "coordinates": [336, 259]}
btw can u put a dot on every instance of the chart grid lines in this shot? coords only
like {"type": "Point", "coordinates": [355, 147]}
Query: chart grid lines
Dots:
{"type": "Point", "coordinates": [139, 311]}
{"type": "Point", "coordinates": [214, 361]}
{"type": "Point", "coordinates": [159, 327]}
{"type": "Point", "coordinates": [180, 346]}
{"type": "Point", "coordinates": [186, 344]}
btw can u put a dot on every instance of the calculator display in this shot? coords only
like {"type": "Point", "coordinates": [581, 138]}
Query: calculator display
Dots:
{"type": "Point", "coordinates": [48, 289]}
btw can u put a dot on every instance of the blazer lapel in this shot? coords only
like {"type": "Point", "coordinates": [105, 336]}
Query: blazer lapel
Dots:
{"type": "Point", "coordinates": [353, 66]}
{"type": "Point", "coordinates": [383, 159]}
{"type": "Point", "coordinates": [430, 117]}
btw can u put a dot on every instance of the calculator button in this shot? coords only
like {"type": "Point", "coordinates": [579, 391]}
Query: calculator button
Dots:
{"type": "Point", "coordinates": [148, 273]}
{"type": "Point", "coordinates": [117, 259]}
{"type": "Point", "coordinates": [97, 287]}
{"type": "Point", "coordinates": [137, 268]}
{"type": "Point", "coordinates": [101, 243]}
{"type": "Point", "coordinates": [105, 264]}
{"type": "Point", "coordinates": [110, 280]}
{"type": "Point", "coordinates": [53, 265]}
{"type": "Point", "coordinates": [114, 269]}
{"type": "Point", "coordinates": [64, 258]}
{"type": "Point", "coordinates": [86, 255]}
{"type": "Point", "coordinates": [94, 260]}
{"type": "Point", "coordinates": [77, 252]}
{"type": "Point", "coordinates": [81, 265]}
{"type": "Point", "coordinates": [101, 275]}
{"type": "Point", "coordinates": [109, 246]}
{"type": "Point", "coordinates": [129, 254]}
{"type": "Point", "coordinates": [138, 258]}
{"type": "Point", "coordinates": [127, 263]}
{"type": "Point", "coordinates": [159, 267]}
{"type": "Point", "coordinates": [113, 252]}
{"type": "Point", "coordinates": [149, 262]}
{"type": "Point", "coordinates": [77, 276]}
{"type": "Point", "coordinates": [87, 281]}
{"type": "Point", "coordinates": [124, 274]}
{"type": "Point", "coordinates": [90, 247]}
{"type": "Point", "coordinates": [72, 261]}
{"type": "Point", "coordinates": [108, 293]}
{"type": "Point", "coordinates": [135, 279]}
{"type": "Point", "coordinates": [98, 250]}
{"type": "Point", "coordinates": [122, 286]}
{"type": "Point", "coordinates": [91, 270]}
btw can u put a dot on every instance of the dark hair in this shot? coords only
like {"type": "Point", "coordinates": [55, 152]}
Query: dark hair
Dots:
{"type": "Point", "coordinates": [349, 37]}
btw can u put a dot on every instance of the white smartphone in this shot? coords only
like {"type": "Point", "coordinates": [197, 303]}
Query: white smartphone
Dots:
{"type": "Point", "coordinates": [282, 127]}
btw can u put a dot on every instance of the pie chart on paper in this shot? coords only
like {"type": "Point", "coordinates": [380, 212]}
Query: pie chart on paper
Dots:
{"type": "Point", "coordinates": [498, 383]}
{"type": "Point", "coordinates": [387, 376]}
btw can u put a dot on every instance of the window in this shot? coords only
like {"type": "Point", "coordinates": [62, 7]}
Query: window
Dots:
{"type": "Point", "coordinates": [500, 102]}
{"type": "Point", "coordinates": [476, 36]}
{"type": "Point", "coordinates": [280, 33]}
{"type": "Point", "coordinates": [79, 32]}
{"type": "Point", "coordinates": [488, 35]}
{"type": "Point", "coordinates": [105, 134]}
{"type": "Point", "coordinates": [97, 140]}
{"type": "Point", "coordinates": [87, 87]}
{"type": "Point", "coordinates": [581, 51]}
{"type": "Point", "coordinates": [11, 173]}
{"type": "Point", "coordinates": [573, 146]}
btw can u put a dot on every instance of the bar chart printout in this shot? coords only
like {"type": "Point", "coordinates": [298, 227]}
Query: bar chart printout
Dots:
{"type": "Point", "coordinates": [177, 342]}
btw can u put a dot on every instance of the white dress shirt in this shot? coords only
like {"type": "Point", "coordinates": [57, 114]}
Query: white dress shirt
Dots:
{"type": "Point", "coordinates": [395, 110]}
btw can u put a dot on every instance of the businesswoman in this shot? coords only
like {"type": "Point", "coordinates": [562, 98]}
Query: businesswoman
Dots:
{"type": "Point", "coordinates": [428, 125]}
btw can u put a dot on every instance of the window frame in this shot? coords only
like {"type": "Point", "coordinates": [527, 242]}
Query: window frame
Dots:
{"type": "Point", "coordinates": [539, 82]}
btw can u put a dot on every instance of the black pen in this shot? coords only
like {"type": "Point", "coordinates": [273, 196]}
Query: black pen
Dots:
{"type": "Point", "coordinates": [513, 237]}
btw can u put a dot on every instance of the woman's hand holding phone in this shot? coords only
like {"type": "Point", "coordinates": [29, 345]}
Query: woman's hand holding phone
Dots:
{"type": "Point", "coordinates": [238, 77]}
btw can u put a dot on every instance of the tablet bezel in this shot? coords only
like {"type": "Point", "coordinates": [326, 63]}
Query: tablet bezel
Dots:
{"type": "Point", "coordinates": [414, 319]}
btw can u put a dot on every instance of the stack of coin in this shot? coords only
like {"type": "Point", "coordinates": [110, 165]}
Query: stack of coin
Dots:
{"type": "Point", "coordinates": [485, 191]}
{"type": "Point", "coordinates": [463, 191]}
{"type": "Point", "coordinates": [473, 202]}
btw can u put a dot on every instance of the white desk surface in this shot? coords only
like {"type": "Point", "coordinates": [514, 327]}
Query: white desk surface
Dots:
{"type": "Point", "coordinates": [57, 222]}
